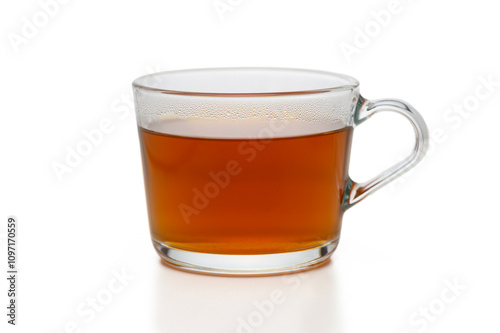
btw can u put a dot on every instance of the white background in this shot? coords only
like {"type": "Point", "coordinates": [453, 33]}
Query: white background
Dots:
{"type": "Point", "coordinates": [400, 248]}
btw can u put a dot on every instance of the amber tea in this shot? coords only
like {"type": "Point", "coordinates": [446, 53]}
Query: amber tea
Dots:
{"type": "Point", "coordinates": [244, 196]}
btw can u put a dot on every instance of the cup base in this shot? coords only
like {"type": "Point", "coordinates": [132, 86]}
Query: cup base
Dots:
{"type": "Point", "coordinates": [235, 264]}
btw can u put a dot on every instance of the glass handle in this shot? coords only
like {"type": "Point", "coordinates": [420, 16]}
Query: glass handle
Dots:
{"type": "Point", "coordinates": [355, 192]}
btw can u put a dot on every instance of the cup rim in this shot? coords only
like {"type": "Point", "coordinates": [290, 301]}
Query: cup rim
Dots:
{"type": "Point", "coordinates": [349, 82]}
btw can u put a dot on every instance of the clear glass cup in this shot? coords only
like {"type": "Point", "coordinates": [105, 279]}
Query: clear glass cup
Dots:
{"type": "Point", "coordinates": [246, 169]}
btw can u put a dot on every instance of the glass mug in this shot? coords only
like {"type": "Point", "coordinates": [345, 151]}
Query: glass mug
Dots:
{"type": "Point", "coordinates": [246, 169]}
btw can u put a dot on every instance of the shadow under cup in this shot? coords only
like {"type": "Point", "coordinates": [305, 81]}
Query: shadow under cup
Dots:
{"type": "Point", "coordinates": [246, 169]}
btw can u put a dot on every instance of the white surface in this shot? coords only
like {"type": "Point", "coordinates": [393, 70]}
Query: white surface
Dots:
{"type": "Point", "coordinates": [398, 247]}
